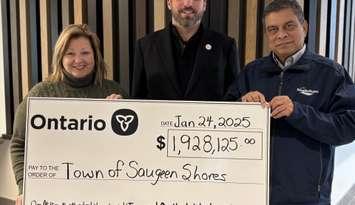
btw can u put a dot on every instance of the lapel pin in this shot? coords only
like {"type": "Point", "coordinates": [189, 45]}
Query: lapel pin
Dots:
{"type": "Point", "coordinates": [208, 47]}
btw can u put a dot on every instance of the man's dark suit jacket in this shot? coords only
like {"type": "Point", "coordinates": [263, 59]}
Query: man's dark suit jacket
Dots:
{"type": "Point", "coordinates": [154, 75]}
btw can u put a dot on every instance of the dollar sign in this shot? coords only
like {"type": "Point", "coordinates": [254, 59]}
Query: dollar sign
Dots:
{"type": "Point", "coordinates": [161, 143]}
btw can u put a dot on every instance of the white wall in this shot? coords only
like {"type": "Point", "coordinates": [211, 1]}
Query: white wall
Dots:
{"type": "Point", "coordinates": [8, 187]}
{"type": "Point", "coordinates": [344, 170]}
{"type": "Point", "coordinates": [2, 85]}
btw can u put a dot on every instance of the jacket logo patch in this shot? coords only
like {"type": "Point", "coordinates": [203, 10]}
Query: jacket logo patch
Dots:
{"type": "Point", "coordinates": [307, 92]}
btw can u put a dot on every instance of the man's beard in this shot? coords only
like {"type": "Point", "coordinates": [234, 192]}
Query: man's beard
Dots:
{"type": "Point", "coordinates": [187, 22]}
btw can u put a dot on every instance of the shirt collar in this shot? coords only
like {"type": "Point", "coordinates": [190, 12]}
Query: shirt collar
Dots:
{"type": "Point", "coordinates": [291, 60]}
{"type": "Point", "coordinates": [195, 37]}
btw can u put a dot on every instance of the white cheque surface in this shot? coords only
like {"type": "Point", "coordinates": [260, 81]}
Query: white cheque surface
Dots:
{"type": "Point", "coordinates": [99, 152]}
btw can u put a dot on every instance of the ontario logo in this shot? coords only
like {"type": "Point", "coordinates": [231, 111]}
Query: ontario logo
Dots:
{"type": "Point", "coordinates": [124, 122]}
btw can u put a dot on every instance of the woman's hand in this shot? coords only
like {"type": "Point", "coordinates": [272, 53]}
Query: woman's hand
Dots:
{"type": "Point", "coordinates": [114, 96]}
{"type": "Point", "coordinates": [19, 200]}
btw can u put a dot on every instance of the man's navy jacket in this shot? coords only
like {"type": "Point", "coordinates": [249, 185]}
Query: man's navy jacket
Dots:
{"type": "Point", "coordinates": [302, 145]}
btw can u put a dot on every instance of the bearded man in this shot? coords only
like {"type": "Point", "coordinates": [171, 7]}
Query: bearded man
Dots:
{"type": "Point", "coordinates": [185, 60]}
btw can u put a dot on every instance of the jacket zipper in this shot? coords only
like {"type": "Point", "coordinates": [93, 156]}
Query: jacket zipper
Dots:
{"type": "Point", "coordinates": [281, 83]}
{"type": "Point", "coordinates": [274, 130]}
{"type": "Point", "coordinates": [321, 170]}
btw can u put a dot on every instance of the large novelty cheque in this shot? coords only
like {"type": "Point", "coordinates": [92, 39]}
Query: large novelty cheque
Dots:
{"type": "Point", "coordinates": [126, 152]}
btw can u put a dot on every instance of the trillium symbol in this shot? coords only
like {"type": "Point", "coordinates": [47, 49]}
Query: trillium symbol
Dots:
{"type": "Point", "coordinates": [124, 121]}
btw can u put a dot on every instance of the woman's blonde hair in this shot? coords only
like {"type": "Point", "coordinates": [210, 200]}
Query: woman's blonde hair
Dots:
{"type": "Point", "coordinates": [71, 32]}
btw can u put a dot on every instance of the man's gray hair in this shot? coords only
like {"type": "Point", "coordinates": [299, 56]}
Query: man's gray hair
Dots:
{"type": "Point", "coordinates": [278, 5]}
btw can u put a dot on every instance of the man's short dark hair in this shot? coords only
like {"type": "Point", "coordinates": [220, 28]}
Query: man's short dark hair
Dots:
{"type": "Point", "coordinates": [278, 5]}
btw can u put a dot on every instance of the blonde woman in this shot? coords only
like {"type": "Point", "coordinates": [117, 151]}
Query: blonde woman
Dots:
{"type": "Point", "coordinates": [78, 72]}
